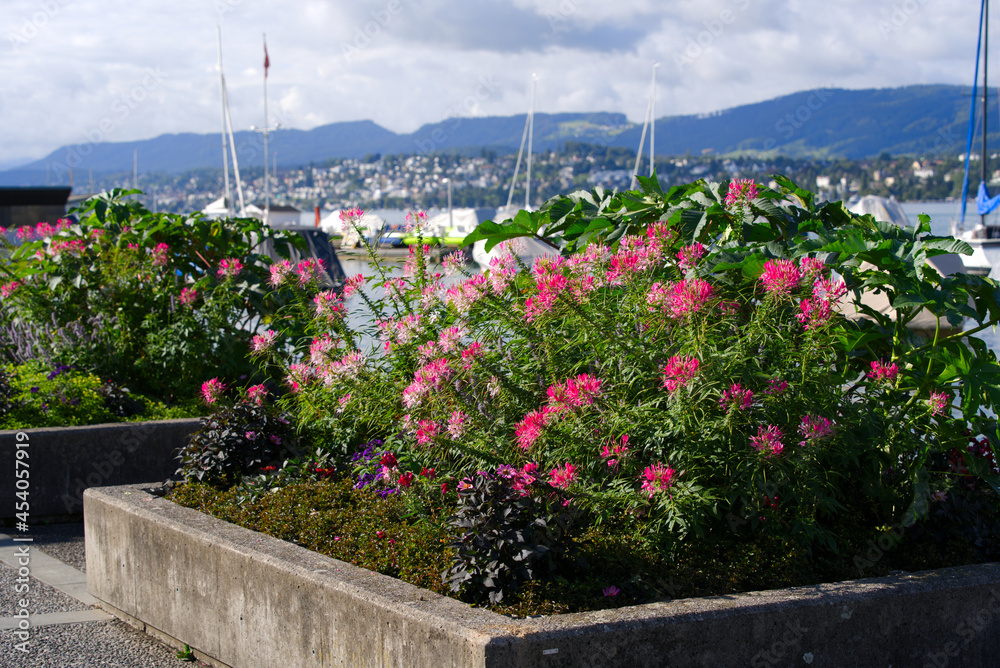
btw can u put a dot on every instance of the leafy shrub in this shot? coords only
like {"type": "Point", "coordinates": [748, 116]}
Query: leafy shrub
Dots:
{"type": "Point", "coordinates": [156, 302]}
{"type": "Point", "coordinates": [236, 440]}
{"type": "Point", "coordinates": [509, 530]}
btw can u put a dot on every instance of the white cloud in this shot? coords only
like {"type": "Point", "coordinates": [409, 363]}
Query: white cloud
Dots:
{"type": "Point", "coordinates": [70, 65]}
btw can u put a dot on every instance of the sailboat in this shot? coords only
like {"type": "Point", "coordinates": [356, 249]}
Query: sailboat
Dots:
{"type": "Point", "coordinates": [984, 238]}
{"type": "Point", "coordinates": [223, 207]}
{"type": "Point", "coordinates": [650, 122]}
{"type": "Point", "coordinates": [528, 248]}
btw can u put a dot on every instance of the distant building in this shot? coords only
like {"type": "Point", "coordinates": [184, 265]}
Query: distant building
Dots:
{"type": "Point", "coordinates": [32, 205]}
{"type": "Point", "coordinates": [284, 215]}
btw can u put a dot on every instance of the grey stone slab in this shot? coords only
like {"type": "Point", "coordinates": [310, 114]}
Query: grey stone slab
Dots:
{"type": "Point", "coordinates": [251, 600]}
{"type": "Point", "coordinates": [64, 461]}
{"type": "Point", "coordinates": [42, 598]}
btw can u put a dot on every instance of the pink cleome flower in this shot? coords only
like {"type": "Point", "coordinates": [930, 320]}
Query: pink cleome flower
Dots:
{"type": "Point", "coordinates": [351, 285]}
{"type": "Point", "coordinates": [457, 424]}
{"type": "Point", "coordinates": [263, 342]}
{"type": "Point", "coordinates": [829, 290]}
{"type": "Point", "coordinates": [883, 372]}
{"type": "Point", "coordinates": [188, 296]}
{"type": "Point", "coordinates": [574, 392]}
{"type": "Point", "coordinates": [321, 347]}
{"type": "Point", "coordinates": [776, 386]}
{"type": "Point", "coordinates": [741, 191]}
{"type": "Point", "coordinates": [938, 401]}
{"type": "Point", "coordinates": [211, 390]}
{"type": "Point", "coordinates": [329, 305]}
{"type": "Point", "coordinates": [563, 477]}
{"type": "Point", "coordinates": [613, 455]}
{"type": "Point", "coordinates": [72, 247]}
{"type": "Point", "coordinates": [449, 338]}
{"type": "Point", "coordinates": [257, 393]}
{"type": "Point", "coordinates": [688, 256]}
{"type": "Point", "coordinates": [768, 440]}
{"type": "Point", "coordinates": [813, 313]}
{"type": "Point", "coordinates": [780, 277]}
{"type": "Point", "coordinates": [814, 428]}
{"type": "Point", "coordinates": [7, 289]}
{"type": "Point", "coordinates": [529, 429]}
{"type": "Point", "coordinates": [811, 268]}
{"type": "Point", "coordinates": [737, 397]}
{"type": "Point", "coordinates": [688, 297]}
{"type": "Point", "coordinates": [657, 478]}
{"type": "Point", "coordinates": [159, 255]}
{"type": "Point", "coordinates": [25, 233]}
{"type": "Point", "coordinates": [280, 271]}
{"type": "Point", "coordinates": [426, 432]}
{"type": "Point", "coordinates": [44, 230]}
{"type": "Point", "coordinates": [229, 268]}
{"type": "Point", "coordinates": [678, 371]}
{"type": "Point", "coordinates": [309, 271]}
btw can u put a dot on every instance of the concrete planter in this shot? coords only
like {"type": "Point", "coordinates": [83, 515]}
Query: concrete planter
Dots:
{"type": "Point", "coordinates": [243, 599]}
{"type": "Point", "coordinates": [64, 461]}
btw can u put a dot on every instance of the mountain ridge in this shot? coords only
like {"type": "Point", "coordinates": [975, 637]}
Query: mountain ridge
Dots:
{"type": "Point", "coordinates": [820, 123]}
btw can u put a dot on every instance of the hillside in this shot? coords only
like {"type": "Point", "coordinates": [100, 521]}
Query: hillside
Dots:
{"type": "Point", "coordinates": [819, 123]}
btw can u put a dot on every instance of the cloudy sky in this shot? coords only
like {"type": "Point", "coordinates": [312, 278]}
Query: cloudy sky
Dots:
{"type": "Point", "coordinates": [73, 71]}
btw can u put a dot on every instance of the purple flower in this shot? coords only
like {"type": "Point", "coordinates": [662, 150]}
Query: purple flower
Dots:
{"type": "Point", "coordinates": [611, 591]}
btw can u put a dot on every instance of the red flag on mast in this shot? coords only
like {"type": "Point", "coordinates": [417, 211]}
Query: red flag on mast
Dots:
{"type": "Point", "coordinates": [267, 61]}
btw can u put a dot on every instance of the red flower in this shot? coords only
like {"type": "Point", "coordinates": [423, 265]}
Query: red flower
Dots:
{"type": "Point", "coordinates": [389, 460]}
{"type": "Point", "coordinates": [430, 474]}
{"type": "Point", "coordinates": [406, 479]}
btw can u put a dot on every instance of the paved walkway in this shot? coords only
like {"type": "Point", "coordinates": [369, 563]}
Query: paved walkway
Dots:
{"type": "Point", "coordinates": [66, 629]}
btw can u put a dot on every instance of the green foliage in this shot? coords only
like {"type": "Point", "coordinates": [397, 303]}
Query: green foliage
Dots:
{"type": "Point", "coordinates": [41, 396]}
{"type": "Point", "coordinates": [139, 297]}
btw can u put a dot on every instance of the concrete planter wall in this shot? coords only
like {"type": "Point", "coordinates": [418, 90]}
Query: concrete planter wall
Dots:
{"type": "Point", "coordinates": [242, 599]}
{"type": "Point", "coordinates": [64, 461]}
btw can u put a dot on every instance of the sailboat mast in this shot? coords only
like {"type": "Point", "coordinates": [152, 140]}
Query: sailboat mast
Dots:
{"type": "Point", "coordinates": [227, 200]}
{"type": "Point", "coordinates": [531, 132]}
{"type": "Point", "coordinates": [652, 122]}
{"type": "Point", "coordinates": [267, 185]}
{"type": "Point", "coordinates": [986, 60]}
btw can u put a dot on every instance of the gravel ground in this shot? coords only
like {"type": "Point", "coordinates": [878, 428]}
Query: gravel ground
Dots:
{"type": "Point", "coordinates": [63, 542]}
{"type": "Point", "coordinates": [44, 599]}
{"type": "Point", "coordinates": [110, 644]}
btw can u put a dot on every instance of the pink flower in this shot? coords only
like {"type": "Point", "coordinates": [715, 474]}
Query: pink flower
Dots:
{"type": "Point", "coordinates": [611, 591]}
{"type": "Point", "coordinates": [529, 429]}
{"type": "Point", "coordinates": [457, 424]}
{"type": "Point", "coordinates": [464, 296]}
{"type": "Point", "coordinates": [829, 290]}
{"type": "Point", "coordinates": [320, 348]}
{"type": "Point", "coordinates": [736, 396]}
{"type": "Point", "coordinates": [229, 268]}
{"type": "Point", "coordinates": [689, 296]}
{"type": "Point", "coordinates": [188, 296]}
{"type": "Point", "coordinates": [25, 233]}
{"type": "Point", "coordinates": [741, 191]}
{"type": "Point", "coordinates": [883, 372]}
{"type": "Point", "coordinates": [657, 478]}
{"type": "Point", "coordinates": [938, 401]}
{"type": "Point", "coordinates": [263, 342]}
{"type": "Point", "coordinates": [348, 366]}
{"type": "Point", "coordinates": [449, 338]}
{"type": "Point", "coordinates": [811, 268]}
{"type": "Point", "coordinates": [613, 455]}
{"type": "Point", "coordinates": [211, 390]}
{"type": "Point", "coordinates": [768, 440]}
{"type": "Point", "coordinates": [776, 386]}
{"type": "Point", "coordinates": [351, 285]}
{"type": "Point", "coordinates": [72, 246]}
{"type": "Point", "coordinates": [257, 394]}
{"type": "Point", "coordinates": [563, 477]}
{"type": "Point", "coordinates": [62, 224]}
{"type": "Point", "coordinates": [329, 305]}
{"type": "Point", "coordinates": [780, 277]}
{"type": "Point", "coordinates": [250, 435]}
{"type": "Point", "coordinates": [415, 220]}
{"type": "Point", "coordinates": [688, 256]}
{"type": "Point", "coordinates": [159, 255]}
{"type": "Point", "coordinates": [814, 428]}
{"type": "Point", "coordinates": [426, 431]}
{"type": "Point", "coordinates": [575, 392]}
{"type": "Point", "coordinates": [678, 371]}
{"type": "Point", "coordinates": [44, 230]}
{"type": "Point", "coordinates": [279, 273]}
{"type": "Point", "coordinates": [474, 351]}
{"type": "Point", "coordinates": [308, 271]}
{"type": "Point", "coordinates": [7, 289]}
{"type": "Point", "coordinates": [349, 218]}
{"type": "Point", "coordinates": [813, 313]}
